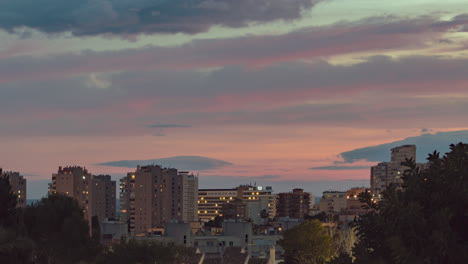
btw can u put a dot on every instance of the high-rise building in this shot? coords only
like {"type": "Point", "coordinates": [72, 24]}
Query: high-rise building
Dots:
{"type": "Point", "coordinates": [189, 196]}
{"type": "Point", "coordinates": [401, 153]}
{"type": "Point", "coordinates": [18, 186]}
{"type": "Point", "coordinates": [152, 196]}
{"type": "Point", "coordinates": [103, 197]}
{"type": "Point", "coordinates": [95, 194]}
{"type": "Point", "coordinates": [385, 174]}
{"type": "Point", "coordinates": [294, 204]}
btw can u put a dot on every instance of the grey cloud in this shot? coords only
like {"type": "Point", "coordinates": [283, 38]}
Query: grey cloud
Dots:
{"type": "Point", "coordinates": [127, 17]}
{"type": "Point", "coordinates": [71, 107]}
{"type": "Point", "coordinates": [366, 35]}
{"type": "Point", "coordinates": [167, 126]}
{"type": "Point", "coordinates": [190, 163]}
{"type": "Point", "coordinates": [425, 144]}
{"type": "Point", "coordinates": [340, 168]}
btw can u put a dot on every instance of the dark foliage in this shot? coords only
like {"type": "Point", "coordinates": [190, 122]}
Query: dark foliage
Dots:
{"type": "Point", "coordinates": [145, 252]}
{"type": "Point", "coordinates": [425, 223]}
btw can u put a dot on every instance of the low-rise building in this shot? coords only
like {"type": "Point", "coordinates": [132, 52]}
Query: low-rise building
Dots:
{"type": "Point", "coordinates": [332, 202]}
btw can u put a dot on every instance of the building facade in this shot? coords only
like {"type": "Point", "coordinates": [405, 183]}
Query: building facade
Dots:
{"type": "Point", "coordinates": [294, 204]}
{"type": "Point", "coordinates": [152, 196]}
{"type": "Point", "coordinates": [104, 200]}
{"type": "Point", "coordinates": [95, 194]}
{"type": "Point", "coordinates": [18, 186]}
{"type": "Point", "coordinates": [255, 199]}
{"type": "Point", "coordinates": [385, 174]}
{"type": "Point", "coordinates": [211, 201]}
{"type": "Point", "coordinates": [333, 202]}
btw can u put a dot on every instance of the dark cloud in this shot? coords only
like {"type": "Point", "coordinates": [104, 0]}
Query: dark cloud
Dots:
{"type": "Point", "coordinates": [425, 144]}
{"type": "Point", "coordinates": [190, 163]}
{"type": "Point", "coordinates": [340, 168]}
{"type": "Point", "coordinates": [128, 17]}
{"type": "Point", "coordinates": [167, 126]}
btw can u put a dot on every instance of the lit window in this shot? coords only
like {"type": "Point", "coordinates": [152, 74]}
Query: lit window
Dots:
{"type": "Point", "coordinates": [133, 176]}
{"type": "Point", "coordinates": [84, 177]}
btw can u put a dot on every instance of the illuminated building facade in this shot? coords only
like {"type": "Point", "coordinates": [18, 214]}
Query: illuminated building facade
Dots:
{"type": "Point", "coordinates": [152, 196]}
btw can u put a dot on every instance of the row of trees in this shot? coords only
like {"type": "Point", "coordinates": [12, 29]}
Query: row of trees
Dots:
{"type": "Point", "coordinates": [426, 222]}
{"type": "Point", "coordinates": [54, 231]}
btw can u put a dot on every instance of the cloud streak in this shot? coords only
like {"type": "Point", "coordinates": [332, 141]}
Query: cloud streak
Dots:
{"type": "Point", "coordinates": [191, 163]}
{"type": "Point", "coordinates": [340, 168]}
{"type": "Point", "coordinates": [130, 17]}
{"type": "Point", "coordinates": [167, 126]}
{"type": "Point", "coordinates": [369, 35]}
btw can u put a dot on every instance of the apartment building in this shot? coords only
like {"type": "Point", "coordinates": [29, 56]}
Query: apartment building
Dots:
{"type": "Point", "coordinates": [385, 174]}
{"type": "Point", "coordinates": [104, 199]}
{"type": "Point", "coordinates": [152, 196]}
{"type": "Point", "coordinates": [293, 204]}
{"type": "Point", "coordinates": [333, 202]}
{"type": "Point", "coordinates": [18, 186]}
{"type": "Point", "coordinates": [95, 194]}
{"type": "Point", "coordinates": [211, 201]}
{"type": "Point", "coordinates": [255, 199]}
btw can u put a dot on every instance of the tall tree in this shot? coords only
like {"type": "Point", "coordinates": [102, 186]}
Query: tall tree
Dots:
{"type": "Point", "coordinates": [424, 223]}
{"type": "Point", "coordinates": [7, 202]}
{"type": "Point", "coordinates": [57, 225]}
{"type": "Point", "coordinates": [307, 243]}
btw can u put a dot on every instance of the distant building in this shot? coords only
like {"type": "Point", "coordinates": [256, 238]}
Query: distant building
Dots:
{"type": "Point", "coordinates": [235, 210]}
{"type": "Point", "coordinates": [152, 196]}
{"type": "Point", "coordinates": [385, 174]}
{"type": "Point", "coordinates": [18, 186]}
{"type": "Point", "coordinates": [211, 201]}
{"type": "Point", "coordinates": [104, 200]}
{"type": "Point", "coordinates": [332, 202]}
{"type": "Point", "coordinates": [258, 198]}
{"type": "Point", "coordinates": [354, 207]}
{"type": "Point", "coordinates": [255, 200]}
{"type": "Point", "coordinates": [294, 204]}
{"type": "Point", "coordinates": [75, 182]}
{"type": "Point", "coordinates": [237, 243]}
{"type": "Point", "coordinates": [95, 194]}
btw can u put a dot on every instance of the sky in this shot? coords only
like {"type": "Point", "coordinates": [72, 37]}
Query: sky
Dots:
{"type": "Point", "coordinates": [287, 93]}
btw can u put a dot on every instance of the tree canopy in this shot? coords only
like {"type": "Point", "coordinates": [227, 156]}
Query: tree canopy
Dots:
{"type": "Point", "coordinates": [423, 223]}
{"type": "Point", "coordinates": [307, 243]}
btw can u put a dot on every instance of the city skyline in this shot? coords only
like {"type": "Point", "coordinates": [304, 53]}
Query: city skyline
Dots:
{"type": "Point", "coordinates": [310, 93]}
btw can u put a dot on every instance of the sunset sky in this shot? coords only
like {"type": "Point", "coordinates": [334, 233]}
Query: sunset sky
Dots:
{"type": "Point", "coordinates": [287, 93]}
